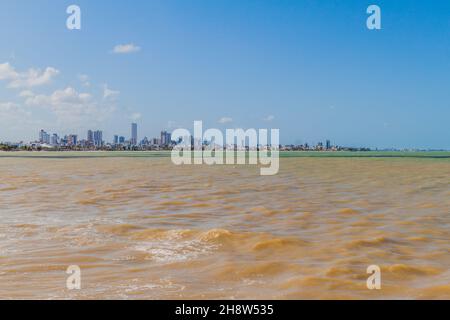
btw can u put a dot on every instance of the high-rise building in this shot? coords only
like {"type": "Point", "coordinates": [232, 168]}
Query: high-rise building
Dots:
{"type": "Point", "coordinates": [116, 139]}
{"type": "Point", "coordinates": [54, 140]}
{"type": "Point", "coordinates": [41, 136]}
{"type": "Point", "coordinates": [63, 141]}
{"type": "Point", "coordinates": [166, 138]}
{"type": "Point", "coordinates": [163, 138]}
{"type": "Point", "coordinates": [121, 140]}
{"type": "Point", "coordinates": [90, 137]}
{"type": "Point", "coordinates": [72, 140]}
{"type": "Point", "coordinates": [44, 137]}
{"type": "Point", "coordinates": [328, 145]}
{"type": "Point", "coordinates": [98, 138]}
{"type": "Point", "coordinates": [134, 134]}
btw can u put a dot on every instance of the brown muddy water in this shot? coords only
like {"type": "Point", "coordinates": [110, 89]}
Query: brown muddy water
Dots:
{"type": "Point", "coordinates": [143, 228]}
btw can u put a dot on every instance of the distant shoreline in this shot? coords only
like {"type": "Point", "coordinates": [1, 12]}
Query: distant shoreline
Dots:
{"type": "Point", "coordinates": [283, 154]}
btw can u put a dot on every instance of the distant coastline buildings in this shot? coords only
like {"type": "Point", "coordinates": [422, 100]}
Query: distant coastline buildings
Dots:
{"type": "Point", "coordinates": [134, 134]}
{"type": "Point", "coordinates": [94, 141]}
{"type": "Point", "coordinates": [98, 138]}
{"type": "Point", "coordinates": [44, 137]}
{"type": "Point", "coordinates": [166, 138]}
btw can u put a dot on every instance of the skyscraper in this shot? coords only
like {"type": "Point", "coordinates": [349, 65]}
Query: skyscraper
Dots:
{"type": "Point", "coordinates": [72, 140]}
{"type": "Point", "coordinates": [98, 138]}
{"type": "Point", "coordinates": [54, 140]}
{"type": "Point", "coordinates": [90, 137]}
{"type": "Point", "coordinates": [166, 138]}
{"type": "Point", "coordinates": [44, 137]}
{"type": "Point", "coordinates": [116, 139]}
{"type": "Point", "coordinates": [134, 134]}
{"type": "Point", "coordinates": [328, 145]}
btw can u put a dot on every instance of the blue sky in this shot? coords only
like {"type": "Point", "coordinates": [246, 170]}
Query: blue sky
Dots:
{"type": "Point", "coordinates": [310, 68]}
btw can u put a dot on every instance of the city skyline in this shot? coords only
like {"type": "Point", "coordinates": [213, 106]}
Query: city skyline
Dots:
{"type": "Point", "coordinates": [312, 70]}
{"type": "Point", "coordinates": [164, 140]}
{"type": "Point", "coordinates": [95, 139]}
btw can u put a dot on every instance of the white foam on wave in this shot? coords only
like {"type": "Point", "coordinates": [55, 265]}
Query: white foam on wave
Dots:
{"type": "Point", "coordinates": [174, 248]}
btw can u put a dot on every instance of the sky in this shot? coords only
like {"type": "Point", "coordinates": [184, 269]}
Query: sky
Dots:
{"type": "Point", "coordinates": [312, 69]}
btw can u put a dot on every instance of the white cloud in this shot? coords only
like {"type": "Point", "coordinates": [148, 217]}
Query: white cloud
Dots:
{"type": "Point", "coordinates": [12, 108]}
{"type": "Point", "coordinates": [126, 48]}
{"type": "Point", "coordinates": [59, 98]}
{"type": "Point", "coordinates": [71, 107]}
{"type": "Point", "coordinates": [14, 116]}
{"type": "Point", "coordinates": [225, 120]}
{"type": "Point", "coordinates": [34, 77]}
{"type": "Point", "coordinates": [269, 118]}
{"type": "Point", "coordinates": [108, 93]}
{"type": "Point", "coordinates": [31, 78]}
{"type": "Point", "coordinates": [26, 93]}
{"type": "Point", "coordinates": [7, 72]}
{"type": "Point", "coordinates": [135, 116]}
{"type": "Point", "coordinates": [84, 79]}
{"type": "Point", "coordinates": [66, 109]}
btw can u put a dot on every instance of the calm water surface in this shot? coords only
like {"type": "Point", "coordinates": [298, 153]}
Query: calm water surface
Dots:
{"type": "Point", "coordinates": [144, 228]}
